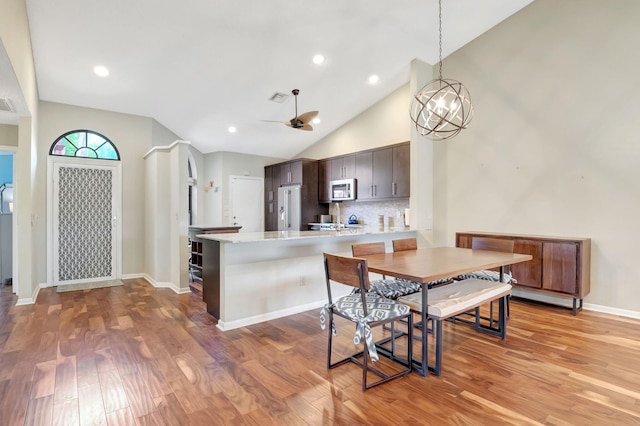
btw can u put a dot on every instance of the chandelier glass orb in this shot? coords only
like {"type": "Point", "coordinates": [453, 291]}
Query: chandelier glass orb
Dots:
{"type": "Point", "coordinates": [442, 108]}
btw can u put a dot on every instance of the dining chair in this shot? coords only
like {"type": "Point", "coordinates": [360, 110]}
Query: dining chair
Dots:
{"type": "Point", "coordinates": [391, 288]}
{"type": "Point", "coordinates": [367, 310]}
{"type": "Point", "coordinates": [412, 244]}
{"type": "Point", "coordinates": [493, 244]}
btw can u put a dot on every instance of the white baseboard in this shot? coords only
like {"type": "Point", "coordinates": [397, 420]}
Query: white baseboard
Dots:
{"type": "Point", "coordinates": [613, 311]}
{"type": "Point", "coordinates": [160, 284]}
{"type": "Point", "coordinates": [226, 326]}
{"type": "Point", "coordinates": [30, 300]}
{"type": "Point", "coordinates": [567, 303]}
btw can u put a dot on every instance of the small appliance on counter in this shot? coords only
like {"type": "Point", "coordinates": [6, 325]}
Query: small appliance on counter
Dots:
{"type": "Point", "coordinates": [326, 226]}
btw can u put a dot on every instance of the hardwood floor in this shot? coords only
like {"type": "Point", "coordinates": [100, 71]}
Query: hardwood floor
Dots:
{"type": "Point", "coordinates": [136, 355]}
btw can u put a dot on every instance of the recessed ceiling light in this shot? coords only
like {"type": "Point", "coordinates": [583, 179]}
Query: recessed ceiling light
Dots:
{"type": "Point", "coordinates": [231, 129]}
{"type": "Point", "coordinates": [101, 71]}
{"type": "Point", "coordinates": [318, 59]}
{"type": "Point", "coordinates": [315, 120]}
{"type": "Point", "coordinates": [373, 79]}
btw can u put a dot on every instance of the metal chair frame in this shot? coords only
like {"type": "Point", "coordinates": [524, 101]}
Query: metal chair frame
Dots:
{"type": "Point", "coordinates": [357, 277]}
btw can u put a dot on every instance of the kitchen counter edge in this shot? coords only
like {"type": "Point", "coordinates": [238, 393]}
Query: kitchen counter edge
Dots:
{"type": "Point", "coordinates": [252, 237]}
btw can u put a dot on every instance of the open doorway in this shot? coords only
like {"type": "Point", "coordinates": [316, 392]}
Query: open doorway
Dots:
{"type": "Point", "coordinates": [6, 220]}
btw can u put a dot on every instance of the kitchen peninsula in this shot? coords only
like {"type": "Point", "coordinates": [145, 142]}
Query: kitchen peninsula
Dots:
{"type": "Point", "coordinates": [258, 276]}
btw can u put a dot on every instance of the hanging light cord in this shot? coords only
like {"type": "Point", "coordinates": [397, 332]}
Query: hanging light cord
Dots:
{"type": "Point", "coordinates": [440, 33]}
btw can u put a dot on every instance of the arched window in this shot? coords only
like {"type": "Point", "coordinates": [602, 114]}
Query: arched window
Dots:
{"type": "Point", "coordinates": [86, 144]}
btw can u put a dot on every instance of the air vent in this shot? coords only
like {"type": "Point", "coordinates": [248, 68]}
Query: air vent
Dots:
{"type": "Point", "coordinates": [5, 105]}
{"type": "Point", "coordinates": [279, 97]}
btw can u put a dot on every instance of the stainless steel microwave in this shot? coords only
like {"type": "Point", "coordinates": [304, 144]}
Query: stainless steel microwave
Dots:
{"type": "Point", "coordinates": [343, 189]}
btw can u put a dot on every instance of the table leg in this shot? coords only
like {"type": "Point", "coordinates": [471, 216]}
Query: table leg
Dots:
{"type": "Point", "coordinates": [425, 334]}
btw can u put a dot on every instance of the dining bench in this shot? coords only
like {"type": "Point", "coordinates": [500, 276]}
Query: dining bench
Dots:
{"type": "Point", "coordinates": [461, 297]}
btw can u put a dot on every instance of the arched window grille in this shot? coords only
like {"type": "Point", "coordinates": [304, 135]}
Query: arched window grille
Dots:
{"type": "Point", "coordinates": [85, 144]}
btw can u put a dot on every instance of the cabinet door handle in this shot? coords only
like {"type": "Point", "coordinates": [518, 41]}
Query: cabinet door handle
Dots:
{"type": "Point", "coordinates": [375, 190]}
{"type": "Point", "coordinates": [394, 188]}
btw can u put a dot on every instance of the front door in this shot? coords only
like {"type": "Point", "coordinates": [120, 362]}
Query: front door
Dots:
{"type": "Point", "coordinates": [85, 210]}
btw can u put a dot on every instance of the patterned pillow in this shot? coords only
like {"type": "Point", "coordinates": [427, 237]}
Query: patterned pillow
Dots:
{"type": "Point", "coordinates": [392, 289]}
{"type": "Point", "coordinates": [489, 276]}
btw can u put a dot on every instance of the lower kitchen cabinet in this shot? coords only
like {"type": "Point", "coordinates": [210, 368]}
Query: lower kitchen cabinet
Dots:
{"type": "Point", "coordinates": [560, 266]}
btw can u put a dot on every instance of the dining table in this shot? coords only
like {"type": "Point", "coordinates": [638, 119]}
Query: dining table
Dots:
{"type": "Point", "coordinates": [428, 264]}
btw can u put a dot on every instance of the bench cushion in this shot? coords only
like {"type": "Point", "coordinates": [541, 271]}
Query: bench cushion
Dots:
{"type": "Point", "coordinates": [458, 297]}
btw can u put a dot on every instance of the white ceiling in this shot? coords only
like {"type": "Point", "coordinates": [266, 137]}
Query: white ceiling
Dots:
{"type": "Point", "coordinates": [200, 66]}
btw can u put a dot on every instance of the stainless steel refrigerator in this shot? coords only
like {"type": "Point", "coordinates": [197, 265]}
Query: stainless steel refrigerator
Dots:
{"type": "Point", "coordinates": [289, 208]}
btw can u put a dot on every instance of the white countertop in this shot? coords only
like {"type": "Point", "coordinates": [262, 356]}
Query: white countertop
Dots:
{"type": "Point", "coordinates": [250, 237]}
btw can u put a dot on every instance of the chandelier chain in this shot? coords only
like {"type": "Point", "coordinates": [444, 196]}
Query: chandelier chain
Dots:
{"type": "Point", "coordinates": [440, 34]}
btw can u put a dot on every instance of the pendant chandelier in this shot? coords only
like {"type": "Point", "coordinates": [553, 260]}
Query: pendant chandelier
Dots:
{"type": "Point", "coordinates": [442, 108]}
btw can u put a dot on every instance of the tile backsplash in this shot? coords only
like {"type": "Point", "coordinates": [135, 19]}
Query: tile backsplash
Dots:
{"type": "Point", "coordinates": [368, 213]}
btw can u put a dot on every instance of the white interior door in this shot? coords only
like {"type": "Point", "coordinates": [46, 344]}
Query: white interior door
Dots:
{"type": "Point", "coordinates": [85, 213]}
{"type": "Point", "coordinates": [247, 203]}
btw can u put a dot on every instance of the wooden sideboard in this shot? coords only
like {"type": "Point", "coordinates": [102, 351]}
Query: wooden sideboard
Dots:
{"type": "Point", "coordinates": [560, 265]}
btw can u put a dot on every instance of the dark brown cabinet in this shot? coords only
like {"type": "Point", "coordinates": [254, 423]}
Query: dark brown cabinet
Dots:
{"type": "Point", "coordinates": [303, 172]}
{"type": "Point", "coordinates": [271, 184]}
{"type": "Point", "coordinates": [383, 173]}
{"type": "Point", "coordinates": [291, 173]}
{"type": "Point", "coordinates": [560, 266]}
{"type": "Point", "coordinates": [401, 176]}
{"type": "Point", "coordinates": [343, 167]}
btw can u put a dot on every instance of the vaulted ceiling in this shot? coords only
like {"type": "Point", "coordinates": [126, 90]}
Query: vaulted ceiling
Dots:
{"type": "Point", "coordinates": [201, 66]}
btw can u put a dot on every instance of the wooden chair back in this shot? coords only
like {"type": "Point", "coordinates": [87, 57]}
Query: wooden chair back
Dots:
{"type": "Point", "coordinates": [405, 244]}
{"type": "Point", "coordinates": [350, 271]}
{"type": "Point", "coordinates": [493, 244]}
{"type": "Point", "coordinates": [365, 249]}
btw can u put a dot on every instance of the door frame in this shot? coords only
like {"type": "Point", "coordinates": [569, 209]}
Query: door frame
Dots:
{"type": "Point", "coordinates": [53, 160]}
{"type": "Point", "coordinates": [231, 198]}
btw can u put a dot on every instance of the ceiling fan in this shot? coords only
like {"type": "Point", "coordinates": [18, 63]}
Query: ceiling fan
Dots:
{"type": "Point", "coordinates": [299, 121]}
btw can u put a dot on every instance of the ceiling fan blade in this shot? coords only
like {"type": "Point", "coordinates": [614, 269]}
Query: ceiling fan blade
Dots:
{"type": "Point", "coordinates": [300, 126]}
{"type": "Point", "coordinates": [274, 121]}
{"type": "Point", "coordinates": [308, 116]}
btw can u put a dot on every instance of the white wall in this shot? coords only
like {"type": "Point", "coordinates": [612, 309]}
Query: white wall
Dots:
{"type": "Point", "coordinates": [553, 148]}
{"type": "Point", "coordinates": [15, 37]}
{"type": "Point", "coordinates": [218, 166]}
{"type": "Point", "coordinates": [133, 136]}
{"type": "Point", "coordinates": [385, 123]}
{"type": "Point", "coordinates": [8, 135]}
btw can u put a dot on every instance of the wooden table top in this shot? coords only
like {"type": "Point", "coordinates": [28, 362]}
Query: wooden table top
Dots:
{"type": "Point", "coordinates": [427, 264]}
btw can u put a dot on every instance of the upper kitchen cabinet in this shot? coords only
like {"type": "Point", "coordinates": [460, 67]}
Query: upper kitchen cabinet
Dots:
{"type": "Point", "coordinates": [343, 167]}
{"type": "Point", "coordinates": [401, 188]}
{"type": "Point", "coordinates": [336, 168]}
{"type": "Point", "coordinates": [291, 173]}
{"type": "Point", "coordinates": [383, 173]}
